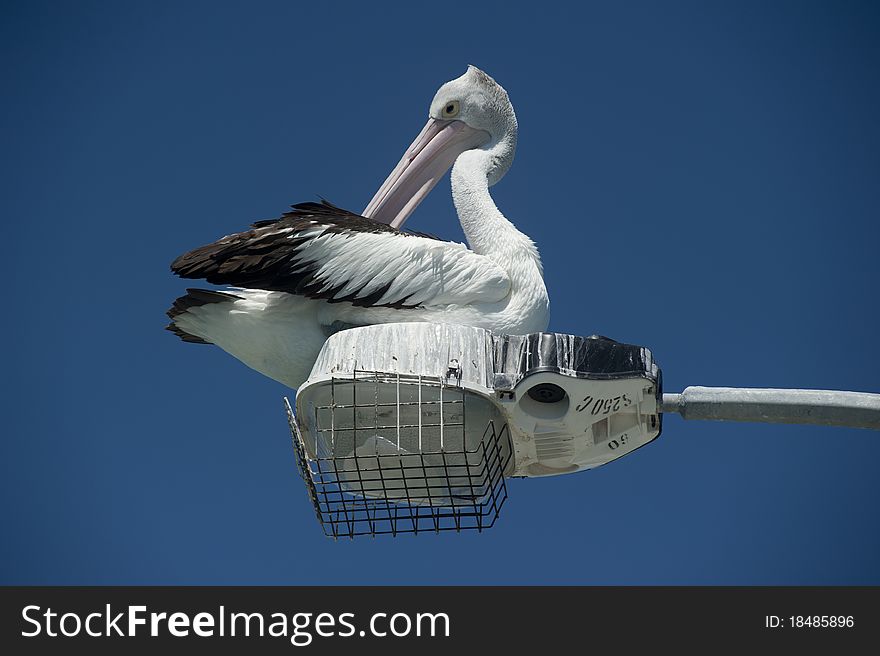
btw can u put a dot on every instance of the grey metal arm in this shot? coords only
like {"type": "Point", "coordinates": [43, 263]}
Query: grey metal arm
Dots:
{"type": "Point", "coordinates": [777, 406]}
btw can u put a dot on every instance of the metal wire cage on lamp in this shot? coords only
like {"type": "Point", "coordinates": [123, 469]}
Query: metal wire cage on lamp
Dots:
{"type": "Point", "coordinates": [393, 453]}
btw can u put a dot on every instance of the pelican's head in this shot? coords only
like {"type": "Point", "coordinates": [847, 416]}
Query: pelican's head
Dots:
{"type": "Point", "coordinates": [471, 111]}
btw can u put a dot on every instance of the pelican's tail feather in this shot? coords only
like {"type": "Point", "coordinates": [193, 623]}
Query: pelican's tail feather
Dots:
{"type": "Point", "coordinates": [194, 298]}
{"type": "Point", "coordinates": [275, 333]}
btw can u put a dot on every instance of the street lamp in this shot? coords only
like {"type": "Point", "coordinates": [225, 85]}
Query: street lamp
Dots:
{"type": "Point", "coordinates": [414, 427]}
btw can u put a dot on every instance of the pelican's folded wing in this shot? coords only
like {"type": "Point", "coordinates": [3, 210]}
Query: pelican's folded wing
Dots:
{"type": "Point", "coordinates": [323, 252]}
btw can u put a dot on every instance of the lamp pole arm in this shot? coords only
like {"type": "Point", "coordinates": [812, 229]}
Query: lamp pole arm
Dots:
{"type": "Point", "coordinates": [777, 406]}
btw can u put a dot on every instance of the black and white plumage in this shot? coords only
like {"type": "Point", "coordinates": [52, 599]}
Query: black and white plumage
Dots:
{"type": "Point", "coordinates": [326, 253]}
{"type": "Point", "coordinates": [318, 268]}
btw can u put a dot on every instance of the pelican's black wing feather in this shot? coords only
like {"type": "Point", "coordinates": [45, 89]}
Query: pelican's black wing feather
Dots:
{"type": "Point", "coordinates": [269, 256]}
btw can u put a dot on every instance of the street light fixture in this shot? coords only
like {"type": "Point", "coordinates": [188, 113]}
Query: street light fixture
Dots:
{"type": "Point", "coordinates": [414, 427]}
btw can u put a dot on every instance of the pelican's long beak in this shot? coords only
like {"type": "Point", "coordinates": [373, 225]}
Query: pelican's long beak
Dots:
{"type": "Point", "coordinates": [423, 164]}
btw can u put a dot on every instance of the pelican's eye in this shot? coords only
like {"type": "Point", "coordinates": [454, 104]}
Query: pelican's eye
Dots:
{"type": "Point", "coordinates": [450, 109]}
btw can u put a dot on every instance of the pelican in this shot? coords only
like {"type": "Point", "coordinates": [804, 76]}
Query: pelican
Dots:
{"type": "Point", "coordinates": [318, 268]}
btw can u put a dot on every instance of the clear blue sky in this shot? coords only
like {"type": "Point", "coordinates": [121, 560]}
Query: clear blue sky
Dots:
{"type": "Point", "coordinates": [701, 178]}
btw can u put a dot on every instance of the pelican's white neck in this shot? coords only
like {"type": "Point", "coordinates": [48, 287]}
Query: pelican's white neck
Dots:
{"type": "Point", "coordinates": [489, 233]}
{"type": "Point", "coordinates": [487, 230]}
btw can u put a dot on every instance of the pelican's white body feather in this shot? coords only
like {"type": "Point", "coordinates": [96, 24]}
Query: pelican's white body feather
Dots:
{"type": "Point", "coordinates": [417, 270]}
